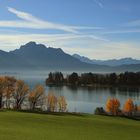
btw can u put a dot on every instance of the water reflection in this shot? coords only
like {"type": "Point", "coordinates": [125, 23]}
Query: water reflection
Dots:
{"type": "Point", "coordinates": [86, 99]}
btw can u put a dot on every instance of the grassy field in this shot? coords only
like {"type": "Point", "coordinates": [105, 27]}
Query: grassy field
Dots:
{"type": "Point", "coordinates": [31, 126]}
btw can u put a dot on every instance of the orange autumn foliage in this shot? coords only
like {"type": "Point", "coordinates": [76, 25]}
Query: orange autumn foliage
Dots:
{"type": "Point", "coordinates": [9, 86]}
{"type": "Point", "coordinates": [9, 90]}
{"type": "Point", "coordinates": [51, 102]}
{"type": "Point", "coordinates": [138, 108]}
{"type": "Point", "coordinates": [2, 85]}
{"type": "Point", "coordinates": [21, 92]}
{"type": "Point", "coordinates": [129, 106]}
{"type": "Point", "coordinates": [36, 96]}
{"type": "Point", "coordinates": [2, 89]}
{"type": "Point", "coordinates": [55, 103]}
{"type": "Point", "coordinates": [62, 104]}
{"type": "Point", "coordinates": [112, 106]}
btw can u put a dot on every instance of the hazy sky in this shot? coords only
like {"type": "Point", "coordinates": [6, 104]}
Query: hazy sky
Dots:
{"type": "Point", "coordinates": [99, 29]}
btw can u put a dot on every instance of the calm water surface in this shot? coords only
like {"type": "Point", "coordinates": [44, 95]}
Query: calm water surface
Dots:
{"type": "Point", "coordinates": [81, 99]}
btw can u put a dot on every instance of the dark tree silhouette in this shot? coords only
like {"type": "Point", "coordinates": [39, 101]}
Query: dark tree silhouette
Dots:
{"type": "Point", "coordinates": [73, 78]}
{"type": "Point", "coordinates": [112, 79]}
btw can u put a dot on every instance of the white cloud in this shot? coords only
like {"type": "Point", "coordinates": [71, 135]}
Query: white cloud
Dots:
{"type": "Point", "coordinates": [123, 31]}
{"type": "Point", "coordinates": [86, 28]}
{"type": "Point", "coordinates": [118, 50]}
{"type": "Point", "coordinates": [96, 49]}
{"type": "Point", "coordinates": [29, 21]}
{"type": "Point", "coordinates": [135, 23]}
{"type": "Point", "coordinates": [19, 39]}
{"type": "Point", "coordinates": [23, 15]}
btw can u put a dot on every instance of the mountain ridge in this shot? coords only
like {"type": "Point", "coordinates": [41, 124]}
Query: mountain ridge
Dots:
{"type": "Point", "coordinates": [42, 57]}
{"type": "Point", "coordinates": [109, 62]}
{"type": "Point", "coordinates": [38, 56]}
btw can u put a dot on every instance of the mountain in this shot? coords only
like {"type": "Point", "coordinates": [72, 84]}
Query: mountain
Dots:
{"type": "Point", "coordinates": [9, 60]}
{"type": "Point", "coordinates": [111, 62]}
{"type": "Point", "coordinates": [32, 56]}
{"type": "Point", "coordinates": [83, 58]}
{"type": "Point", "coordinates": [38, 56]}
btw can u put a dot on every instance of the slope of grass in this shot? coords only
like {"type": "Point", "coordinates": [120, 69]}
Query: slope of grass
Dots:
{"type": "Point", "coordinates": [31, 126]}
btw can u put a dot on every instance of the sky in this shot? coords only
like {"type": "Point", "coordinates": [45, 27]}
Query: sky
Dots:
{"type": "Point", "coordinates": [98, 29]}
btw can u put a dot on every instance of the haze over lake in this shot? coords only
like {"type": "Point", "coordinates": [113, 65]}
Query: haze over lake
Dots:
{"type": "Point", "coordinates": [79, 99]}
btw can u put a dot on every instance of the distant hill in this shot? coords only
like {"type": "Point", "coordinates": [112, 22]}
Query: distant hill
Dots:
{"type": "Point", "coordinates": [32, 56]}
{"type": "Point", "coordinates": [111, 62]}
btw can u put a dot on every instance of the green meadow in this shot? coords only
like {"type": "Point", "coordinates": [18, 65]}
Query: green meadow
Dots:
{"type": "Point", "coordinates": [33, 126]}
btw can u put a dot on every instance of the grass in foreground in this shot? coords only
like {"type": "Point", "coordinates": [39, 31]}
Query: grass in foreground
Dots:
{"type": "Point", "coordinates": [31, 126]}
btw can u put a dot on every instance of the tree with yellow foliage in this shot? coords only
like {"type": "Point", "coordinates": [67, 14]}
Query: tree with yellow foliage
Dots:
{"type": "Point", "coordinates": [51, 102]}
{"type": "Point", "coordinates": [20, 94]}
{"type": "Point", "coordinates": [9, 89]}
{"type": "Point", "coordinates": [112, 106]}
{"type": "Point", "coordinates": [138, 108]}
{"type": "Point", "coordinates": [2, 89]}
{"type": "Point", "coordinates": [62, 105]}
{"type": "Point", "coordinates": [36, 96]}
{"type": "Point", "coordinates": [129, 106]}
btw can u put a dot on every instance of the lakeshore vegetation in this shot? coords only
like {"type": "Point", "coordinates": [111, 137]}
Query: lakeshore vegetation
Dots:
{"type": "Point", "coordinates": [15, 94]}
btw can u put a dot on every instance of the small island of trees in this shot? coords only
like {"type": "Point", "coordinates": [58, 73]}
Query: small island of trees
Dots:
{"type": "Point", "coordinates": [91, 79]}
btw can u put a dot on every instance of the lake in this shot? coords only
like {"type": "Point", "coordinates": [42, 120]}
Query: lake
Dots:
{"type": "Point", "coordinates": [79, 99]}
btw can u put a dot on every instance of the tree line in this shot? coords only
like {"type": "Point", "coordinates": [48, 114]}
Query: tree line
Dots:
{"type": "Point", "coordinates": [126, 78]}
{"type": "Point", "coordinates": [15, 94]}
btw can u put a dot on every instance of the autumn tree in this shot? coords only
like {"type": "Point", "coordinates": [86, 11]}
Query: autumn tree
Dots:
{"type": "Point", "coordinates": [36, 96]}
{"type": "Point", "coordinates": [51, 101]}
{"type": "Point", "coordinates": [62, 105]}
{"type": "Point", "coordinates": [138, 108]}
{"type": "Point", "coordinates": [9, 89]}
{"type": "Point", "coordinates": [2, 89]}
{"type": "Point", "coordinates": [20, 94]}
{"type": "Point", "coordinates": [129, 106]}
{"type": "Point", "coordinates": [112, 106]}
